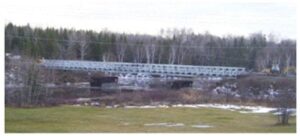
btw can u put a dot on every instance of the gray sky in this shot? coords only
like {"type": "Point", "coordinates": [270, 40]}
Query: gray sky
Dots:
{"type": "Point", "coordinates": [137, 16]}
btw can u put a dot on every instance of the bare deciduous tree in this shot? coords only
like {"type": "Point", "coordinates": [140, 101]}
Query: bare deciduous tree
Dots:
{"type": "Point", "coordinates": [108, 57]}
{"type": "Point", "coordinates": [33, 91]}
{"type": "Point", "coordinates": [121, 48]}
{"type": "Point", "coordinates": [172, 54]}
{"type": "Point", "coordinates": [82, 37]}
{"type": "Point", "coordinates": [285, 100]}
{"type": "Point", "coordinates": [70, 51]}
{"type": "Point", "coordinates": [150, 53]}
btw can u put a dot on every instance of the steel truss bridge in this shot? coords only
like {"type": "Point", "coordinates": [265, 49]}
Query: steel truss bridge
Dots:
{"type": "Point", "coordinates": [152, 69]}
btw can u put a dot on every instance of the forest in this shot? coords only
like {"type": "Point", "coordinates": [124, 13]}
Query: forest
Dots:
{"type": "Point", "coordinates": [256, 52]}
{"type": "Point", "coordinates": [28, 85]}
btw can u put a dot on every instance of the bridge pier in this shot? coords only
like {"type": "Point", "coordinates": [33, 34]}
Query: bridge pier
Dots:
{"type": "Point", "coordinates": [177, 84]}
{"type": "Point", "coordinates": [99, 81]}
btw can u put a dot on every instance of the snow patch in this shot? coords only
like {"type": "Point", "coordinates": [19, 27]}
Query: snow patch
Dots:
{"type": "Point", "coordinates": [165, 124]}
{"type": "Point", "coordinates": [291, 111]}
{"type": "Point", "coordinates": [202, 126]}
{"type": "Point", "coordinates": [109, 107]}
{"type": "Point", "coordinates": [163, 106]}
{"type": "Point", "coordinates": [95, 104]}
{"type": "Point", "coordinates": [241, 109]}
{"type": "Point", "coordinates": [263, 110]}
{"type": "Point", "coordinates": [83, 99]}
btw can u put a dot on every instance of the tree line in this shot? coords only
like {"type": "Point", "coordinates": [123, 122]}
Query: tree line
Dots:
{"type": "Point", "coordinates": [172, 46]}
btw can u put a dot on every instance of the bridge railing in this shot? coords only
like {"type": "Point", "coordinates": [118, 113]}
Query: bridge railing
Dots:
{"type": "Point", "coordinates": [156, 69]}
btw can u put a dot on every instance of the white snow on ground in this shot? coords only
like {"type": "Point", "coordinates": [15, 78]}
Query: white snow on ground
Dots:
{"type": "Point", "coordinates": [249, 109]}
{"type": "Point", "coordinates": [165, 124]}
{"type": "Point", "coordinates": [215, 78]}
{"type": "Point", "coordinates": [83, 99]}
{"type": "Point", "coordinates": [142, 107]}
{"type": "Point", "coordinates": [163, 106]}
{"type": "Point", "coordinates": [177, 125]}
{"type": "Point", "coordinates": [202, 126]}
{"type": "Point", "coordinates": [109, 107]}
{"type": "Point", "coordinates": [259, 110]}
{"type": "Point", "coordinates": [292, 112]}
{"type": "Point", "coordinates": [147, 106]}
{"type": "Point", "coordinates": [242, 109]}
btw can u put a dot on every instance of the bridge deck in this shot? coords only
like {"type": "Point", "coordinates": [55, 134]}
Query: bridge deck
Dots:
{"type": "Point", "coordinates": [153, 69]}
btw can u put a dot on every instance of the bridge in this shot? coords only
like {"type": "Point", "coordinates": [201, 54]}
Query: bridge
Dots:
{"type": "Point", "coordinates": [143, 68]}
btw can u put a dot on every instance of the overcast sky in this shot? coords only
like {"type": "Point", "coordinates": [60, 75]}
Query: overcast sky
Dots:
{"type": "Point", "coordinates": [137, 16]}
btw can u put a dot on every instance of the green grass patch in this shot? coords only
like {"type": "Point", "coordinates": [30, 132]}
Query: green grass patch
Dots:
{"type": "Point", "coordinates": [92, 119]}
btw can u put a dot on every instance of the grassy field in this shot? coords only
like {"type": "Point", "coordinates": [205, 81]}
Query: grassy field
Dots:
{"type": "Point", "coordinates": [92, 119]}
